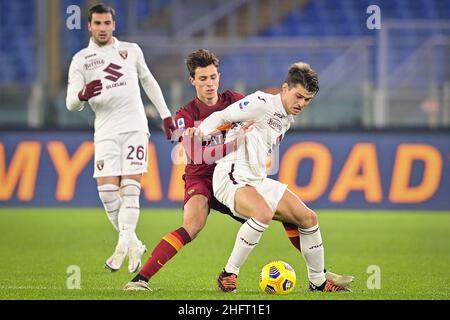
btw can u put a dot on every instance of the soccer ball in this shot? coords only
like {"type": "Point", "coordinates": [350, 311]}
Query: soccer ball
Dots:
{"type": "Point", "coordinates": [277, 277]}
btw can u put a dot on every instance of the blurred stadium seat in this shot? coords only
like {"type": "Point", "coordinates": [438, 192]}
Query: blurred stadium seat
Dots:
{"type": "Point", "coordinates": [17, 54]}
{"type": "Point", "coordinates": [321, 17]}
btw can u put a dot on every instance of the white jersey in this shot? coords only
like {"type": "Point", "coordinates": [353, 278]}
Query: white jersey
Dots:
{"type": "Point", "coordinates": [271, 123]}
{"type": "Point", "coordinates": [119, 107]}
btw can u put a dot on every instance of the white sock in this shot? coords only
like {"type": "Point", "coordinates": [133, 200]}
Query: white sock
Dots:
{"type": "Point", "coordinates": [129, 211]}
{"type": "Point", "coordinates": [247, 238]}
{"type": "Point", "coordinates": [109, 195]}
{"type": "Point", "coordinates": [312, 251]}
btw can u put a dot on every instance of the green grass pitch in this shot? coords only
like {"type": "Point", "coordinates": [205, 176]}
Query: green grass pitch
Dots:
{"type": "Point", "coordinates": [38, 246]}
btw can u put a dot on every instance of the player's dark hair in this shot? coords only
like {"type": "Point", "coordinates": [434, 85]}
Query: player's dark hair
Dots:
{"type": "Point", "coordinates": [102, 8]}
{"type": "Point", "coordinates": [200, 59]}
{"type": "Point", "coordinates": [302, 73]}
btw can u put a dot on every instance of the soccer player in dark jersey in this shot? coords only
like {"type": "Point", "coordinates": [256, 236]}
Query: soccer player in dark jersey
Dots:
{"type": "Point", "coordinates": [199, 197]}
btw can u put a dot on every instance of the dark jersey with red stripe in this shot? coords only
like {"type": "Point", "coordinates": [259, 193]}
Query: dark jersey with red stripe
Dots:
{"type": "Point", "coordinates": [192, 114]}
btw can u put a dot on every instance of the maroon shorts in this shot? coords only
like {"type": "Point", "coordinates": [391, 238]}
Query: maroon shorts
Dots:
{"type": "Point", "coordinates": [194, 185]}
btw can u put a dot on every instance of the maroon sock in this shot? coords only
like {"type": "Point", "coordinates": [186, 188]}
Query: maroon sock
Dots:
{"type": "Point", "coordinates": [293, 235]}
{"type": "Point", "coordinates": [169, 246]}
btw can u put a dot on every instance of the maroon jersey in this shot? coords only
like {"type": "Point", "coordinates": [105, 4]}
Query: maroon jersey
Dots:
{"type": "Point", "coordinates": [192, 114]}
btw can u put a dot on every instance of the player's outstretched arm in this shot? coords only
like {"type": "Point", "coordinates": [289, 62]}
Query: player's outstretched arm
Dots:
{"type": "Point", "coordinates": [151, 86]}
{"type": "Point", "coordinates": [198, 154]}
{"type": "Point", "coordinates": [241, 111]}
{"type": "Point", "coordinates": [154, 93]}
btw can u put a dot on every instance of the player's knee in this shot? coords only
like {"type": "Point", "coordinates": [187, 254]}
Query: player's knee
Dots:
{"type": "Point", "coordinates": [260, 211]}
{"type": "Point", "coordinates": [108, 193]}
{"type": "Point", "coordinates": [263, 214]}
{"type": "Point", "coordinates": [201, 205]}
{"type": "Point", "coordinates": [309, 219]}
{"type": "Point", "coordinates": [130, 190]}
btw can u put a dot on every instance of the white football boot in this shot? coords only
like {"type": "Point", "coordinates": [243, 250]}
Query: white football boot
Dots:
{"type": "Point", "coordinates": [342, 281]}
{"type": "Point", "coordinates": [135, 253]}
{"type": "Point", "coordinates": [114, 262]}
{"type": "Point", "coordinates": [137, 286]}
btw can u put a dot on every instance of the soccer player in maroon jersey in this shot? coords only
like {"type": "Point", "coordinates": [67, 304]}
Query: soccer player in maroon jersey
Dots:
{"type": "Point", "coordinates": [199, 198]}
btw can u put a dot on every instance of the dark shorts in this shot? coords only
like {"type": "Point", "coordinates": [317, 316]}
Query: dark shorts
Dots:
{"type": "Point", "coordinates": [194, 185]}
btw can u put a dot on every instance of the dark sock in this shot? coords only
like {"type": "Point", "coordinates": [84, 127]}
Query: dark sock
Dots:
{"type": "Point", "coordinates": [139, 277]}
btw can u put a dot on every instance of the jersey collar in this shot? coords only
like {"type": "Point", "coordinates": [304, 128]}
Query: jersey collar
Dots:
{"type": "Point", "coordinates": [114, 45]}
{"type": "Point", "coordinates": [204, 105]}
{"type": "Point", "coordinates": [279, 104]}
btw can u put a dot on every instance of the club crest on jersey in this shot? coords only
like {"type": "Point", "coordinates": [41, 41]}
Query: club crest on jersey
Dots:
{"type": "Point", "coordinates": [243, 104]}
{"type": "Point", "coordinates": [100, 165]}
{"type": "Point", "coordinates": [180, 123]}
{"type": "Point", "coordinates": [123, 54]}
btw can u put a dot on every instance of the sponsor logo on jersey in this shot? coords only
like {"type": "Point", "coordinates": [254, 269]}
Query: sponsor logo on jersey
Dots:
{"type": "Point", "coordinates": [123, 54]}
{"type": "Point", "coordinates": [94, 64]}
{"type": "Point", "coordinates": [100, 165]}
{"type": "Point", "coordinates": [180, 123]}
{"type": "Point", "coordinates": [243, 104]}
{"type": "Point", "coordinates": [117, 84]}
{"type": "Point", "coordinates": [275, 124]}
{"type": "Point", "coordinates": [261, 99]}
{"type": "Point", "coordinates": [279, 115]}
{"type": "Point", "coordinates": [90, 56]}
{"type": "Point", "coordinates": [114, 75]}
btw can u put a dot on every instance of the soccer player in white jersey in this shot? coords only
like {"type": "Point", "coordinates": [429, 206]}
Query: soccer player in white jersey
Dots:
{"type": "Point", "coordinates": [240, 180]}
{"type": "Point", "coordinates": [106, 74]}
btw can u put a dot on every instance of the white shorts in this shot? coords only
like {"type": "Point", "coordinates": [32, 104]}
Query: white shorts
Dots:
{"type": "Point", "coordinates": [226, 181]}
{"type": "Point", "coordinates": [121, 154]}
